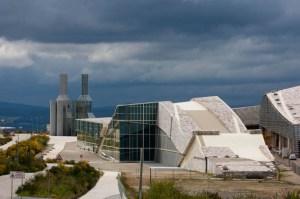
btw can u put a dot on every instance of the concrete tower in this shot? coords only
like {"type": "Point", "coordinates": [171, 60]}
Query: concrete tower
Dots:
{"type": "Point", "coordinates": [84, 102]}
{"type": "Point", "coordinates": [53, 117]}
{"type": "Point", "coordinates": [64, 111]}
{"type": "Point", "coordinates": [63, 108]}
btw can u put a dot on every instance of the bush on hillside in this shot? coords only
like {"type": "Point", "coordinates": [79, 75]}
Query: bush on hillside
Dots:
{"type": "Point", "coordinates": [22, 156]}
{"type": "Point", "coordinates": [65, 182]}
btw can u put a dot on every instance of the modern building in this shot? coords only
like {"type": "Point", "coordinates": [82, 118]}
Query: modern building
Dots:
{"type": "Point", "coordinates": [203, 134]}
{"type": "Point", "coordinates": [280, 120]}
{"type": "Point", "coordinates": [64, 111]}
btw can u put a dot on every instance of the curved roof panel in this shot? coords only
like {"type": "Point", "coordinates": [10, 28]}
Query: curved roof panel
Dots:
{"type": "Point", "coordinates": [287, 102]}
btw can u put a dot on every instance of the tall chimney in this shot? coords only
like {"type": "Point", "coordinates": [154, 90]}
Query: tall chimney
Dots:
{"type": "Point", "coordinates": [84, 84]}
{"type": "Point", "coordinates": [63, 81]}
{"type": "Point", "coordinates": [84, 89]}
{"type": "Point", "coordinates": [63, 87]}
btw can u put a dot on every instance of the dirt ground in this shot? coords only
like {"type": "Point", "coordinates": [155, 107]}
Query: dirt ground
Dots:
{"type": "Point", "coordinates": [226, 188]}
{"type": "Point", "coordinates": [229, 189]}
{"type": "Point", "coordinates": [190, 182]}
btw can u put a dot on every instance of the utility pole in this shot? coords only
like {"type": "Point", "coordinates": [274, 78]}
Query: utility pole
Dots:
{"type": "Point", "coordinates": [142, 157]}
{"type": "Point", "coordinates": [48, 183]}
{"type": "Point", "coordinates": [141, 173]}
{"type": "Point", "coordinates": [17, 149]}
{"type": "Point", "coordinates": [12, 187]}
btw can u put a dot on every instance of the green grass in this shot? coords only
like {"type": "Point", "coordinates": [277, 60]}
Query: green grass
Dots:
{"type": "Point", "coordinates": [65, 182]}
{"type": "Point", "coordinates": [293, 195]}
{"type": "Point", "coordinates": [167, 190]}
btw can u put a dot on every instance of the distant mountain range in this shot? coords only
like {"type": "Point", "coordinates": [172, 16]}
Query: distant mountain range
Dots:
{"type": "Point", "coordinates": [30, 117]}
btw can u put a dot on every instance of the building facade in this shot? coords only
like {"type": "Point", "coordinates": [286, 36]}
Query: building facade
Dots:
{"type": "Point", "coordinates": [280, 120]}
{"type": "Point", "coordinates": [90, 132]}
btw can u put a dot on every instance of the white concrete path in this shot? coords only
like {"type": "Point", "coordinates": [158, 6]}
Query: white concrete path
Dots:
{"type": "Point", "coordinates": [22, 137]}
{"type": "Point", "coordinates": [5, 185]}
{"type": "Point", "coordinates": [58, 143]}
{"type": "Point", "coordinates": [106, 187]}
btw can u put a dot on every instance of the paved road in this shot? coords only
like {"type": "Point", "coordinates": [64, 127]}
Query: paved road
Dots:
{"type": "Point", "coordinates": [287, 174]}
{"type": "Point", "coordinates": [106, 187]}
{"type": "Point", "coordinates": [22, 137]}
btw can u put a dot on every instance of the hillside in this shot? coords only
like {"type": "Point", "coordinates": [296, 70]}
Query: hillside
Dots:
{"type": "Point", "coordinates": [30, 117]}
{"type": "Point", "coordinates": [23, 116]}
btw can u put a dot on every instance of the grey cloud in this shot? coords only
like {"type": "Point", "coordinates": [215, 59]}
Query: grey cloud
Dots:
{"type": "Point", "coordinates": [141, 50]}
{"type": "Point", "coordinates": [79, 21]}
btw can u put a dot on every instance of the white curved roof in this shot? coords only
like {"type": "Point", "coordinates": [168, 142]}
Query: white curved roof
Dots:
{"type": "Point", "coordinates": [180, 120]}
{"type": "Point", "coordinates": [287, 102]}
{"type": "Point", "coordinates": [223, 112]}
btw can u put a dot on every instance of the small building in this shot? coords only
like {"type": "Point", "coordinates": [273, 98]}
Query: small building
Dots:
{"type": "Point", "coordinates": [280, 120]}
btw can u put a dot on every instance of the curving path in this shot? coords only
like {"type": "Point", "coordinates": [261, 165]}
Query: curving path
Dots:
{"type": "Point", "coordinates": [22, 137]}
{"type": "Point", "coordinates": [106, 187]}
{"type": "Point", "coordinates": [58, 143]}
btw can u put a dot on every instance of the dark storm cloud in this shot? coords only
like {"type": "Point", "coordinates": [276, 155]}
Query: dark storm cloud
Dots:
{"type": "Point", "coordinates": [78, 21]}
{"type": "Point", "coordinates": [148, 50]}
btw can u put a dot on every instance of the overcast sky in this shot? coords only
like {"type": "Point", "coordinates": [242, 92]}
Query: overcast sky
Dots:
{"type": "Point", "coordinates": [148, 50]}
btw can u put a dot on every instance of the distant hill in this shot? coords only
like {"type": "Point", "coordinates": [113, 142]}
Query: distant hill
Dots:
{"type": "Point", "coordinates": [23, 116]}
{"type": "Point", "coordinates": [35, 117]}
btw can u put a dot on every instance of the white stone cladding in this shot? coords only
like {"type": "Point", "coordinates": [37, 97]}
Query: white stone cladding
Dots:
{"type": "Point", "coordinates": [225, 114]}
{"type": "Point", "coordinates": [287, 103]}
{"type": "Point", "coordinates": [220, 152]}
{"type": "Point", "coordinates": [180, 131]}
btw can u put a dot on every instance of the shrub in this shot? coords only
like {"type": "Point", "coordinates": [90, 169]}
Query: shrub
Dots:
{"type": "Point", "coordinates": [22, 156]}
{"type": "Point", "coordinates": [69, 162]}
{"type": "Point", "coordinates": [65, 182]}
{"type": "Point", "coordinates": [293, 195]}
{"type": "Point", "coordinates": [167, 190]}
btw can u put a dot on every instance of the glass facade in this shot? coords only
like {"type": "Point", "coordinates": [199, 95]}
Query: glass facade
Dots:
{"type": "Point", "coordinates": [88, 134]}
{"type": "Point", "coordinates": [133, 127]}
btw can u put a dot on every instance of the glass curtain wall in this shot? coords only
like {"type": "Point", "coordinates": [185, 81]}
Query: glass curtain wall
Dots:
{"type": "Point", "coordinates": [88, 133]}
{"type": "Point", "coordinates": [133, 127]}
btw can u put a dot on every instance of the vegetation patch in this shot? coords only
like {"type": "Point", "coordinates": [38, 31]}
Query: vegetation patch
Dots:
{"type": "Point", "coordinates": [167, 190]}
{"type": "Point", "coordinates": [4, 140]}
{"type": "Point", "coordinates": [293, 195]}
{"type": "Point", "coordinates": [56, 161]}
{"type": "Point", "coordinates": [22, 156]}
{"type": "Point", "coordinates": [62, 182]}
{"type": "Point", "coordinates": [171, 190]}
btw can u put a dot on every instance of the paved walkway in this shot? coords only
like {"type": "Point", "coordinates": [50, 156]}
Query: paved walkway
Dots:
{"type": "Point", "coordinates": [58, 143]}
{"type": "Point", "coordinates": [72, 152]}
{"type": "Point", "coordinates": [287, 174]}
{"type": "Point", "coordinates": [22, 137]}
{"type": "Point", "coordinates": [5, 185]}
{"type": "Point", "coordinates": [106, 187]}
